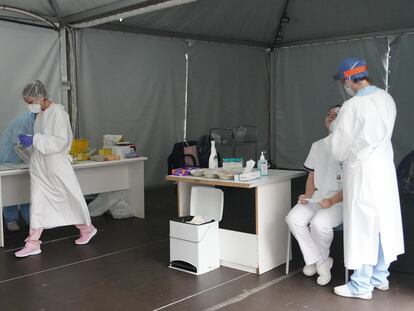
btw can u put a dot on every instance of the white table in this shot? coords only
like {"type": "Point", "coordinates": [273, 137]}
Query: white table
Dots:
{"type": "Point", "coordinates": [266, 249]}
{"type": "Point", "coordinates": [94, 177]}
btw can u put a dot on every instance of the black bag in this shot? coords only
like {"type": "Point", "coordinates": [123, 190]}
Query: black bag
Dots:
{"type": "Point", "coordinates": [204, 149]}
{"type": "Point", "coordinates": [405, 174]}
{"type": "Point", "coordinates": [178, 158]}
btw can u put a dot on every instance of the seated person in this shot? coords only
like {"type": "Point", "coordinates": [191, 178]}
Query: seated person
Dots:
{"type": "Point", "coordinates": [312, 222]}
{"type": "Point", "coordinates": [8, 139]}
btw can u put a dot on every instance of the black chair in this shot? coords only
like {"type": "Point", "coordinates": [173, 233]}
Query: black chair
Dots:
{"type": "Point", "coordinates": [177, 157]}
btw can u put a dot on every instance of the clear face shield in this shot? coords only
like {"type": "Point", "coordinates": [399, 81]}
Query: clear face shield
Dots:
{"type": "Point", "coordinates": [340, 84]}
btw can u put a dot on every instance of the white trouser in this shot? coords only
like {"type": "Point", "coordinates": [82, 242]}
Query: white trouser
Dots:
{"type": "Point", "coordinates": [312, 226]}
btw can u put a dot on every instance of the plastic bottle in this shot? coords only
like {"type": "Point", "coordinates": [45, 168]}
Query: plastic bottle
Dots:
{"type": "Point", "coordinates": [262, 165]}
{"type": "Point", "coordinates": [213, 159]}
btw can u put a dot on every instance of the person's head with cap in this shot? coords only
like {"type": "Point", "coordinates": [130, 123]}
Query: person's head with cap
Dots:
{"type": "Point", "coordinates": [36, 96]}
{"type": "Point", "coordinates": [353, 74]}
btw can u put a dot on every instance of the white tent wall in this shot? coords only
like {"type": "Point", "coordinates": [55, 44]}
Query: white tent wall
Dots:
{"type": "Point", "coordinates": [27, 53]}
{"type": "Point", "coordinates": [228, 86]}
{"type": "Point", "coordinates": [402, 90]}
{"type": "Point", "coordinates": [302, 89]}
{"type": "Point", "coordinates": [133, 85]}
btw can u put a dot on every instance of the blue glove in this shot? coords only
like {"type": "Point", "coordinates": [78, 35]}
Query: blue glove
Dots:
{"type": "Point", "coordinates": [26, 140]}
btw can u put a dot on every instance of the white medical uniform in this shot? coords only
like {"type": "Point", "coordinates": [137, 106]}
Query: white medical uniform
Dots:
{"type": "Point", "coordinates": [362, 139]}
{"type": "Point", "coordinates": [56, 197]}
{"type": "Point", "coordinates": [312, 225]}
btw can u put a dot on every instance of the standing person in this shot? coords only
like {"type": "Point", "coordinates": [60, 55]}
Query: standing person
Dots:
{"type": "Point", "coordinates": [312, 222]}
{"type": "Point", "coordinates": [56, 197]}
{"type": "Point", "coordinates": [8, 139]}
{"type": "Point", "coordinates": [373, 234]}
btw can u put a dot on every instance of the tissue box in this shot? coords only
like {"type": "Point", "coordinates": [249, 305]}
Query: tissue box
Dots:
{"type": "Point", "coordinates": [247, 176]}
{"type": "Point", "coordinates": [121, 151]}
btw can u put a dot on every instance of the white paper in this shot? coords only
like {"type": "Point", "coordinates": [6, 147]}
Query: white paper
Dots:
{"type": "Point", "coordinates": [198, 220]}
{"type": "Point", "coordinates": [249, 166]}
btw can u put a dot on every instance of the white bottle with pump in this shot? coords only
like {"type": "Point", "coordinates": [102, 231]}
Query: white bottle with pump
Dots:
{"type": "Point", "coordinates": [213, 159]}
{"type": "Point", "coordinates": [262, 165]}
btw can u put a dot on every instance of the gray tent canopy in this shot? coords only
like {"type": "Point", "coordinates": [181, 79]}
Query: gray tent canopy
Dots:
{"type": "Point", "coordinates": [258, 23]}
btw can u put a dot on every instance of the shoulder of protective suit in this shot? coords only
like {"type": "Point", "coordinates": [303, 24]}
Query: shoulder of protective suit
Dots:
{"type": "Point", "coordinates": [57, 108]}
{"type": "Point", "coordinates": [319, 142]}
{"type": "Point", "coordinates": [383, 92]}
{"type": "Point", "coordinates": [347, 103]}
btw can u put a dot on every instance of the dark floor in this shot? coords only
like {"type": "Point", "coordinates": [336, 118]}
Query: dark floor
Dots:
{"type": "Point", "coordinates": [125, 268]}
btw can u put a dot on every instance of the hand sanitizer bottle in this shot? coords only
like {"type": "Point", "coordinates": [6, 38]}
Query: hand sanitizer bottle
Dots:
{"type": "Point", "coordinates": [262, 165]}
{"type": "Point", "coordinates": [213, 159]}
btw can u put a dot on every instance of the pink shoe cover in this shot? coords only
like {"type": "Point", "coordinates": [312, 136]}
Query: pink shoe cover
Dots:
{"type": "Point", "coordinates": [86, 237]}
{"type": "Point", "coordinates": [28, 250]}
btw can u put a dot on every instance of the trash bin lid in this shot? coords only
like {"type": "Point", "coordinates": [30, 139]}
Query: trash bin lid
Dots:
{"type": "Point", "coordinates": [207, 202]}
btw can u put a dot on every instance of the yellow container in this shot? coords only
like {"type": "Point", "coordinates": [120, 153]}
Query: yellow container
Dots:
{"type": "Point", "coordinates": [83, 156]}
{"type": "Point", "coordinates": [105, 151]}
{"type": "Point", "coordinates": [79, 145]}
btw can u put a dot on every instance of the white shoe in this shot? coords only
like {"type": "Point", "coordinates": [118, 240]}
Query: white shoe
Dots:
{"type": "Point", "coordinates": [13, 226]}
{"type": "Point", "coordinates": [309, 270]}
{"type": "Point", "coordinates": [383, 287]}
{"type": "Point", "coordinates": [324, 271]}
{"type": "Point", "coordinates": [344, 291]}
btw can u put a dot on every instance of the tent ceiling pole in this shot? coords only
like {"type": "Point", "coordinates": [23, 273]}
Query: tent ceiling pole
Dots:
{"type": "Point", "coordinates": [169, 34]}
{"type": "Point", "coordinates": [99, 11]}
{"type": "Point", "coordinates": [28, 13]}
{"type": "Point", "coordinates": [356, 36]}
{"type": "Point", "coordinates": [23, 22]}
{"type": "Point", "coordinates": [114, 9]}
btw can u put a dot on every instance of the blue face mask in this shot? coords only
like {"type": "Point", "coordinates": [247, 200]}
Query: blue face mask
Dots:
{"type": "Point", "coordinates": [332, 126]}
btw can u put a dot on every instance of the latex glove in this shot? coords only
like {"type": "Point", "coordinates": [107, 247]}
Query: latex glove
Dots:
{"type": "Point", "coordinates": [26, 140]}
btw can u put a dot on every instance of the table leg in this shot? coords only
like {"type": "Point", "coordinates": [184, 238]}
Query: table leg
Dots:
{"type": "Point", "coordinates": [183, 198]}
{"type": "Point", "coordinates": [272, 206]}
{"type": "Point", "coordinates": [135, 193]}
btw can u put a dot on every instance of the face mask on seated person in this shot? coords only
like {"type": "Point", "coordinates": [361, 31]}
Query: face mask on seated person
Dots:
{"type": "Point", "coordinates": [332, 126]}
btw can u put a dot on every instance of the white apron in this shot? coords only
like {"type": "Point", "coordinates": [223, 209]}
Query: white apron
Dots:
{"type": "Point", "coordinates": [362, 139]}
{"type": "Point", "coordinates": [56, 197]}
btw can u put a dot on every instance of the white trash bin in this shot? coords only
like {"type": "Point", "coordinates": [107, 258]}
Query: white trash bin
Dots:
{"type": "Point", "coordinates": [195, 248]}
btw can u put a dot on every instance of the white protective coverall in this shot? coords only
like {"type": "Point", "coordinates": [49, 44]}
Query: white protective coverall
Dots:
{"type": "Point", "coordinates": [311, 224]}
{"type": "Point", "coordinates": [362, 140]}
{"type": "Point", "coordinates": [56, 196]}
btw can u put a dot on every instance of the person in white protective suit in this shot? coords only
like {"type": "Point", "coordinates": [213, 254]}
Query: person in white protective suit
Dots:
{"type": "Point", "coordinates": [56, 197]}
{"type": "Point", "coordinates": [361, 138]}
{"type": "Point", "coordinates": [319, 209]}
